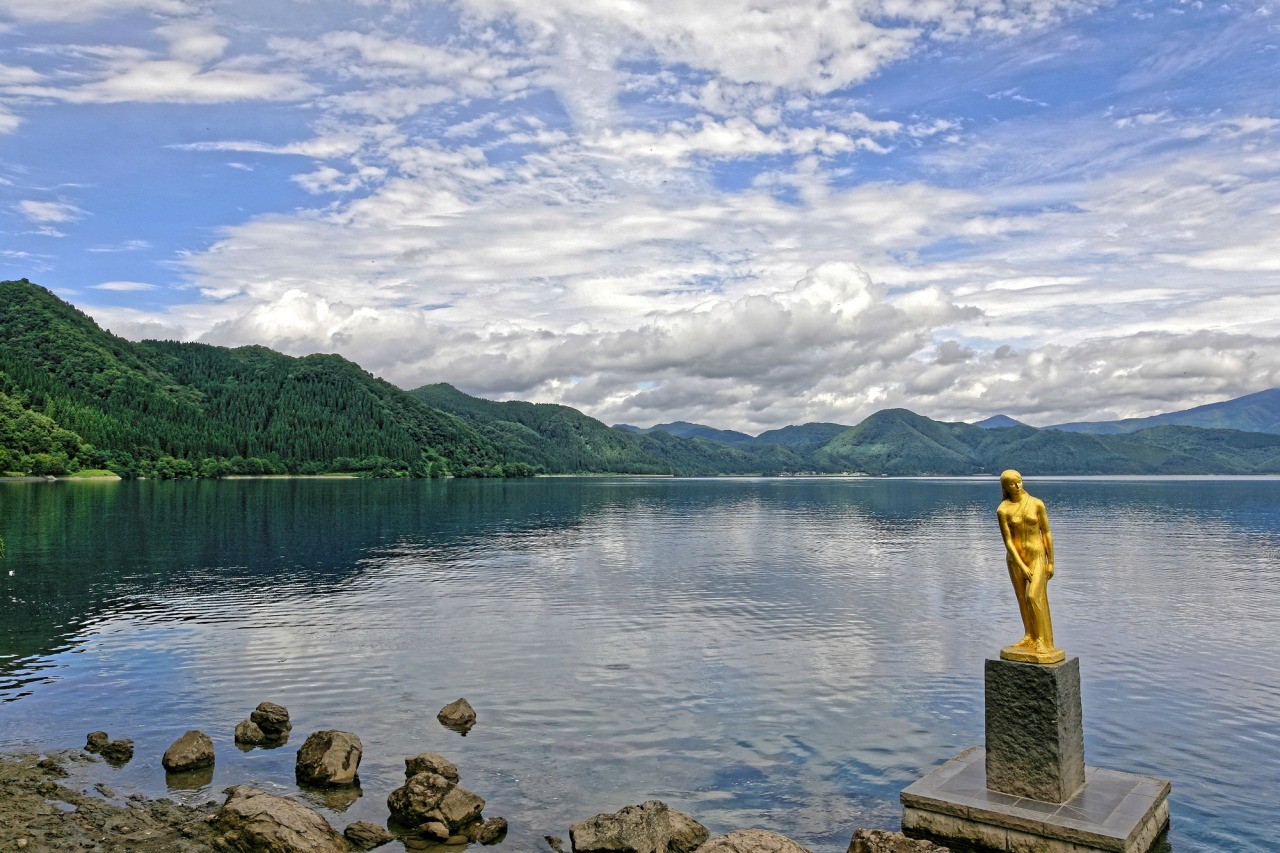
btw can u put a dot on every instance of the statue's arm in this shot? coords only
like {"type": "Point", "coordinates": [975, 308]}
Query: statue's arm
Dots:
{"type": "Point", "coordinates": [1048, 537]}
{"type": "Point", "coordinates": [1007, 534]}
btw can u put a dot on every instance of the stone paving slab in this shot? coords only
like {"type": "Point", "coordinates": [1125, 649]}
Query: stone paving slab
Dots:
{"type": "Point", "coordinates": [1115, 812]}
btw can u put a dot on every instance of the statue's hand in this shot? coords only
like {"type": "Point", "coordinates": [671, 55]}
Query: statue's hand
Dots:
{"type": "Point", "coordinates": [1050, 570]}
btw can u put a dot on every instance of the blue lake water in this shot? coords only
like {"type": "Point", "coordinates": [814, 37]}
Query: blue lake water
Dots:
{"type": "Point", "coordinates": [780, 653]}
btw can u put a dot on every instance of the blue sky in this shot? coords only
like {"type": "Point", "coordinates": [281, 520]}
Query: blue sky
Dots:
{"type": "Point", "coordinates": [741, 212]}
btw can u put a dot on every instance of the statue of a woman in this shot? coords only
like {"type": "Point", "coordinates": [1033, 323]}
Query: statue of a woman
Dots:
{"type": "Point", "coordinates": [1024, 525]}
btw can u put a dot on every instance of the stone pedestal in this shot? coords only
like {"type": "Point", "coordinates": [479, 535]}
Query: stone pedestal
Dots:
{"type": "Point", "coordinates": [1029, 791]}
{"type": "Point", "coordinates": [1035, 733]}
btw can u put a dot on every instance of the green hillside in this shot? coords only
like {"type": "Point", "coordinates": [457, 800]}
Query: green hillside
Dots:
{"type": "Point", "coordinates": [1258, 412]}
{"type": "Point", "coordinates": [181, 409]}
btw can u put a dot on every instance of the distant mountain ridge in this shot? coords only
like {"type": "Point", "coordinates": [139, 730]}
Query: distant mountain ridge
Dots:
{"type": "Point", "coordinates": [1258, 412]}
{"type": "Point", "coordinates": [74, 396]}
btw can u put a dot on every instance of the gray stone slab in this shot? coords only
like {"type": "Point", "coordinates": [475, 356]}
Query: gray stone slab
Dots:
{"type": "Point", "coordinates": [1035, 732]}
{"type": "Point", "coordinates": [1115, 812]}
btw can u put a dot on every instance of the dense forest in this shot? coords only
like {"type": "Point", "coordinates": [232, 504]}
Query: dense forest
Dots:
{"type": "Point", "coordinates": [75, 398]}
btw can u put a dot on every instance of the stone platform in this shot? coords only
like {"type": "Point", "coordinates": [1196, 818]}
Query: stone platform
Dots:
{"type": "Point", "coordinates": [1114, 812]}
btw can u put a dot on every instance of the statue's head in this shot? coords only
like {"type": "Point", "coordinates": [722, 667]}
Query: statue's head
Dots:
{"type": "Point", "coordinates": [1010, 481]}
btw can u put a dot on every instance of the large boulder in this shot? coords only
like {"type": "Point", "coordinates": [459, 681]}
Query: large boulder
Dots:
{"type": "Point", "coordinates": [458, 808]}
{"type": "Point", "coordinates": [458, 715]}
{"type": "Point", "coordinates": [492, 831]}
{"type": "Point", "coordinates": [430, 762]}
{"type": "Point", "coordinates": [751, 841]}
{"type": "Point", "coordinates": [192, 751]}
{"type": "Point", "coordinates": [329, 758]}
{"type": "Point", "coordinates": [651, 827]}
{"type": "Point", "coordinates": [883, 841]}
{"type": "Point", "coordinates": [414, 803]}
{"type": "Point", "coordinates": [253, 821]}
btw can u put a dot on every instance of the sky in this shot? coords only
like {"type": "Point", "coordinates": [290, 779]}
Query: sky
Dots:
{"type": "Point", "coordinates": [744, 213]}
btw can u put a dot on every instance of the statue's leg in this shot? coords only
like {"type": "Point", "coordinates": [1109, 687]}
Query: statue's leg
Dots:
{"type": "Point", "coordinates": [1024, 609]}
{"type": "Point", "coordinates": [1041, 627]}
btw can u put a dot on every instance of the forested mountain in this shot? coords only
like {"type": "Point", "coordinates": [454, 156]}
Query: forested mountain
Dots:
{"type": "Point", "coordinates": [684, 429]}
{"type": "Point", "coordinates": [164, 408]}
{"type": "Point", "coordinates": [73, 396]}
{"type": "Point", "coordinates": [1258, 412]}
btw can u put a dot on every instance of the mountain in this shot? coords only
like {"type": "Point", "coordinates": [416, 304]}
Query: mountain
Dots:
{"type": "Point", "coordinates": [148, 407]}
{"type": "Point", "coordinates": [73, 396]}
{"type": "Point", "coordinates": [1258, 412]}
{"type": "Point", "coordinates": [563, 440]}
{"type": "Point", "coordinates": [684, 429]}
{"type": "Point", "coordinates": [998, 422]}
{"type": "Point", "coordinates": [808, 435]}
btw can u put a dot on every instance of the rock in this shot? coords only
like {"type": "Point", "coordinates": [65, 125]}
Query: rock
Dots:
{"type": "Point", "coordinates": [272, 719]}
{"type": "Point", "coordinates": [414, 803]}
{"type": "Point", "coordinates": [192, 751]}
{"type": "Point", "coordinates": [366, 836]}
{"type": "Point", "coordinates": [329, 758]}
{"type": "Point", "coordinates": [883, 841]}
{"type": "Point", "coordinates": [253, 821]}
{"type": "Point", "coordinates": [430, 762]}
{"type": "Point", "coordinates": [648, 828]}
{"type": "Point", "coordinates": [434, 829]}
{"type": "Point", "coordinates": [248, 732]}
{"type": "Point", "coordinates": [492, 831]}
{"type": "Point", "coordinates": [555, 842]}
{"type": "Point", "coordinates": [52, 767]}
{"type": "Point", "coordinates": [95, 741]}
{"type": "Point", "coordinates": [118, 752]}
{"type": "Point", "coordinates": [459, 716]}
{"type": "Point", "coordinates": [751, 841]}
{"type": "Point", "coordinates": [459, 807]}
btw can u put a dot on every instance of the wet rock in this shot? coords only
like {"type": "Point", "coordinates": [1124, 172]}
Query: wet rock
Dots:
{"type": "Point", "coordinates": [555, 842]}
{"type": "Point", "coordinates": [414, 803]}
{"type": "Point", "coordinates": [366, 836]}
{"type": "Point", "coordinates": [117, 752]}
{"type": "Point", "coordinates": [882, 841]}
{"type": "Point", "coordinates": [192, 751]}
{"type": "Point", "coordinates": [430, 762]}
{"type": "Point", "coordinates": [52, 767]}
{"type": "Point", "coordinates": [247, 732]}
{"type": "Point", "coordinates": [492, 831]}
{"type": "Point", "coordinates": [434, 829]}
{"type": "Point", "coordinates": [253, 821]}
{"type": "Point", "coordinates": [459, 716]}
{"type": "Point", "coordinates": [329, 757]}
{"type": "Point", "coordinates": [651, 827]}
{"type": "Point", "coordinates": [751, 841]}
{"type": "Point", "coordinates": [458, 808]}
{"type": "Point", "coordinates": [272, 719]}
{"type": "Point", "coordinates": [95, 741]}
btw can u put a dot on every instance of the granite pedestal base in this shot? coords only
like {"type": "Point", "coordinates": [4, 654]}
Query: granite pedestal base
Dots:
{"type": "Point", "coordinates": [1113, 812]}
{"type": "Point", "coordinates": [1035, 732]}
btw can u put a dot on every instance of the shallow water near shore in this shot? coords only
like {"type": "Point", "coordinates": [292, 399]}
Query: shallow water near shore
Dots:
{"type": "Point", "coordinates": [781, 653]}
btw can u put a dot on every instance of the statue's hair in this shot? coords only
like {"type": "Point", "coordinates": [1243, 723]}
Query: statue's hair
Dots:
{"type": "Point", "coordinates": [1006, 479]}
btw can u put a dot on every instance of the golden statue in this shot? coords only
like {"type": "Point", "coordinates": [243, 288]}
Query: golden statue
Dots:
{"type": "Point", "coordinates": [1024, 525]}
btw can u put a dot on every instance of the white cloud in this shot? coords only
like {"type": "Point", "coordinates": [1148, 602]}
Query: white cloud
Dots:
{"type": "Point", "coordinates": [74, 11]}
{"type": "Point", "coordinates": [125, 286]}
{"type": "Point", "coordinates": [45, 212]}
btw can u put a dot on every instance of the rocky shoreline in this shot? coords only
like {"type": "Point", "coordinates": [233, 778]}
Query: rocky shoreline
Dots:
{"type": "Point", "coordinates": [48, 802]}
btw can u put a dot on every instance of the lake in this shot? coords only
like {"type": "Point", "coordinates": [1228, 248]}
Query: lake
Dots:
{"type": "Point", "coordinates": [780, 653]}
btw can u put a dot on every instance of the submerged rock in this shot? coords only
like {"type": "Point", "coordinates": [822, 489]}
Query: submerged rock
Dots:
{"type": "Point", "coordinates": [329, 758]}
{"type": "Point", "coordinates": [192, 751]}
{"type": "Point", "coordinates": [751, 841]}
{"type": "Point", "coordinates": [366, 836]}
{"type": "Point", "coordinates": [95, 741]}
{"type": "Point", "coordinates": [116, 752]}
{"type": "Point", "coordinates": [883, 841]}
{"type": "Point", "coordinates": [492, 831]}
{"type": "Point", "coordinates": [458, 715]}
{"type": "Point", "coordinates": [253, 821]}
{"type": "Point", "coordinates": [651, 827]}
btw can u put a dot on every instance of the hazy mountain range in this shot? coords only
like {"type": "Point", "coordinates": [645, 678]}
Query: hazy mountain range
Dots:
{"type": "Point", "coordinates": [73, 396]}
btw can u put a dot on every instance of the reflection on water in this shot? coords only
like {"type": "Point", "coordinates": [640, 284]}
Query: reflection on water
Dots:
{"type": "Point", "coordinates": [777, 653]}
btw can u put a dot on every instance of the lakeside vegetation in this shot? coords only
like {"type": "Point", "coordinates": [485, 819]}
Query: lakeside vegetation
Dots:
{"type": "Point", "coordinates": [76, 399]}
